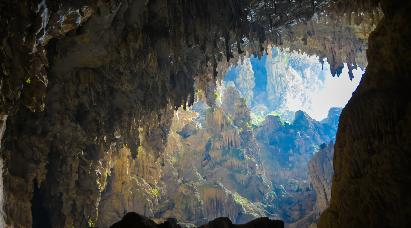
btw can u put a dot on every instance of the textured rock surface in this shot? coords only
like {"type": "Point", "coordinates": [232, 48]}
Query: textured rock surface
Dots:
{"type": "Point", "coordinates": [201, 173]}
{"type": "Point", "coordinates": [372, 152]}
{"type": "Point", "coordinates": [211, 167]}
{"type": "Point", "coordinates": [341, 38]}
{"type": "Point", "coordinates": [286, 152]}
{"type": "Point", "coordinates": [3, 119]}
{"type": "Point", "coordinates": [321, 172]}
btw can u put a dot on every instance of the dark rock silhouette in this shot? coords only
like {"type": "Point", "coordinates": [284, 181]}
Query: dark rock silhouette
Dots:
{"type": "Point", "coordinates": [372, 162]}
{"type": "Point", "coordinates": [134, 220]}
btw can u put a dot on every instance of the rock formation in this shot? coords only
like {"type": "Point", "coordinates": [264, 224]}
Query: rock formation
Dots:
{"type": "Point", "coordinates": [212, 166]}
{"type": "Point", "coordinates": [321, 172]}
{"type": "Point", "coordinates": [286, 150]}
{"type": "Point", "coordinates": [339, 38]}
{"type": "Point", "coordinates": [209, 168]}
{"type": "Point", "coordinates": [371, 158]}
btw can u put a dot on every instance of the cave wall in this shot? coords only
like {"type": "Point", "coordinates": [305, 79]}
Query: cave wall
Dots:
{"type": "Point", "coordinates": [372, 152]}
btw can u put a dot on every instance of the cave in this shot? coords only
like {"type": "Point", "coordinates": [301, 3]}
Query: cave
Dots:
{"type": "Point", "coordinates": [154, 113]}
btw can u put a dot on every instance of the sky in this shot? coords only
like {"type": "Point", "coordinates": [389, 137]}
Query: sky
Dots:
{"type": "Point", "coordinates": [336, 92]}
{"type": "Point", "coordinates": [292, 81]}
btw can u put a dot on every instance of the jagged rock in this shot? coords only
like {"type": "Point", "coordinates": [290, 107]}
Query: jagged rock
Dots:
{"type": "Point", "coordinates": [341, 37]}
{"type": "Point", "coordinates": [333, 118]}
{"type": "Point", "coordinates": [320, 169]}
{"type": "Point", "coordinates": [286, 152]}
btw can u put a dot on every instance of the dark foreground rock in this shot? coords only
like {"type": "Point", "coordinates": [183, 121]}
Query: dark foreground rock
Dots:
{"type": "Point", "coordinates": [134, 220]}
{"type": "Point", "coordinates": [372, 164]}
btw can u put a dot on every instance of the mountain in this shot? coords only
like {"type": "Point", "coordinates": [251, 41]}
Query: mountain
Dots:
{"type": "Point", "coordinates": [286, 149]}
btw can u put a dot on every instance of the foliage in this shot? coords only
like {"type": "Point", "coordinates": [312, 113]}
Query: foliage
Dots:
{"type": "Point", "coordinates": [154, 192]}
{"type": "Point", "coordinates": [277, 114]}
{"type": "Point", "coordinates": [257, 119]}
{"type": "Point", "coordinates": [240, 200]}
{"type": "Point", "coordinates": [173, 160]}
{"type": "Point", "coordinates": [90, 223]}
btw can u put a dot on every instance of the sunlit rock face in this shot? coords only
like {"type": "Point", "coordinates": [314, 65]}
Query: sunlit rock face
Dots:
{"type": "Point", "coordinates": [217, 164]}
{"type": "Point", "coordinates": [208, 169]}
{"type": "Point", "coordinates": [321, 172]}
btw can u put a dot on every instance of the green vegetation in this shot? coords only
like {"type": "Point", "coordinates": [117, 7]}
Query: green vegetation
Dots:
{"type": "Point", "coordinates": [154, 192]}
{"type": "Point", "coordinates": [229, 118]}
{"type": "Point", "coordinates": [173, 160]}
{"type": "Point", "coordinates": [90, 223]}
{"type": "Point", "coordinates": [240, 200]}
{"type": "Point", "coordinates": [248, 158]}
{"type": "Point", "coordinates": [257, 119]}
{"type": "Point", "coordinates": [274, 113]}
{"type": "Point", "coordinates": [216, 95]}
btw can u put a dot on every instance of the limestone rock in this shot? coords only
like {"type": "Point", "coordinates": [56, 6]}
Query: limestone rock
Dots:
{"type": "Point", "coordinates": [321, 171]}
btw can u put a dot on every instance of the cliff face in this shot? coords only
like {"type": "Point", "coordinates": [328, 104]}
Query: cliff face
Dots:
{"type": "Point", "coordinates": [213, 165]}
{"type": "Point", "coordinates": [209, 168]}
{"type": "Point", "coordinates": [371, 158]}
{"type": "Point", "coordinates": [321, 172]}
{"type": "Point", "coordinates": [286, 152]}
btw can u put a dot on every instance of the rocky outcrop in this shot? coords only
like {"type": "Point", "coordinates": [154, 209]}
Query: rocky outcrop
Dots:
{"type": "Point", "coordinates": [371, 180]}
{"type": "Point", "coordinates": [320, 170]}
{"type": "Point", "coordinates": [209, 168]}
{"type": "Point", "coordinates": [341, 37]}
{"type": "Point", "coordinates": [286, 150]}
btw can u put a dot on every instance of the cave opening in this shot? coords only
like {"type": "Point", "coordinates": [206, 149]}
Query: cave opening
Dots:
{"type": "Point", "coordinates": [265, 147]}
{"type": "Point", "coordinates": [198, 109]}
